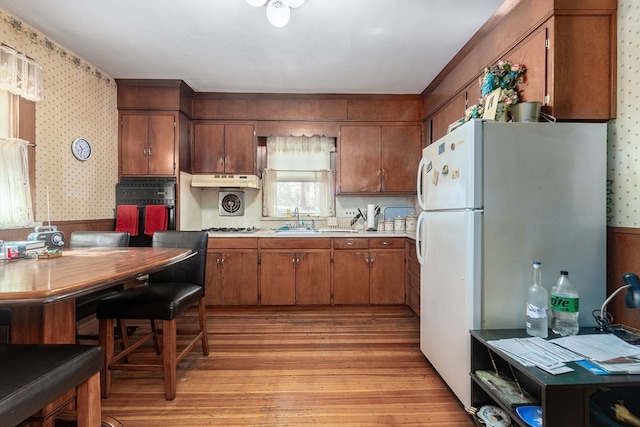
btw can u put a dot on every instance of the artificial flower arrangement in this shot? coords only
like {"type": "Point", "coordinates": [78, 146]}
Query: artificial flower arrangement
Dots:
{"type": "Point", "coordinates": [503, 75]}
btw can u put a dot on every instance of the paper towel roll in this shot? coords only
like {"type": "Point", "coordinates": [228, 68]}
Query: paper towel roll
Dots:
{"type": "Point", "coordinates": [371, 216]}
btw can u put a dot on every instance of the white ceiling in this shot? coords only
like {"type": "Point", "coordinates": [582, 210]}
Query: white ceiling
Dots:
{"type": "Point", "coordinates": [329, 46]}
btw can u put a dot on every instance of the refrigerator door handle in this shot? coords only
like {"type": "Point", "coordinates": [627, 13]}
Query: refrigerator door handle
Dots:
{"type": "Point", "coordinates": [419, 243]}
{"type": "Point", "coordinates": [421, 171]}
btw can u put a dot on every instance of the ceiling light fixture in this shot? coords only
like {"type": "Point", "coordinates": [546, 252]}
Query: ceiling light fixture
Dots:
{"type": "Point", "coordinates": [278, 11]}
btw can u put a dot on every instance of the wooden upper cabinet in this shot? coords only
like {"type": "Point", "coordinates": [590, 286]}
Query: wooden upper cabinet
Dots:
{"type": "Point", "coordinates": [582, 67]}
{"type": "Point", "coordinates": [359, 152]}
{"type": "Point", "coordinates": [567, 47]}
{"type": "Point", "coordinates": [401, 152]}
{"type": "Point", "coordinates": [379, 159]}
{"type": "Point", "coordinates": [224, 148]}
{"type": "Point", "coordinates": [147, 143]}
{"type": "Point", "coordinates": [154, 135]}
{"type": "Point", "coordinates": [452, 111]}
{"type": "Point", "coordinates": [532, 53]}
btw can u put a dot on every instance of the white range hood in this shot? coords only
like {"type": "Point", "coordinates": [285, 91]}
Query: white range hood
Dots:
{"type": "Point", "coordinates": [220, 180]}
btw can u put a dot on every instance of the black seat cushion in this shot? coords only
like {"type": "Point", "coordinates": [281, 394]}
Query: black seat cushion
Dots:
{"type": "Point", "coordinates": [162, 301]}
{"type": "Point", "coordinates": [87, 305]}
{"type": "Point", "coordinates": [33, 375]}
{"type": "Point", "coordinates": [5, 316]}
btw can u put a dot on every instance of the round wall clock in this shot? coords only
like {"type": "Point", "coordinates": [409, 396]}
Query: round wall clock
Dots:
{"type": "Point", "coordinates": [81, 149]}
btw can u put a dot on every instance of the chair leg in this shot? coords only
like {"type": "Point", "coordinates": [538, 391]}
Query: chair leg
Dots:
{"type": "Point", "coordinates": [106, 339]}
{"type": "Point", "coordinates": [156, 343]}
{"type": "Point", "coordinates": [169, 357]}
{"type": "Point", "coordinates": [123, 336]}
{"type": "Point", "coordinates": [122, 332]}
{"type": "Point", "coordinates": [203, 326]}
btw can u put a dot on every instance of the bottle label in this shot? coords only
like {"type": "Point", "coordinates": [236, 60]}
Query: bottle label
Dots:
{"type": "Point", "coordinates": [535, 312]}
{"type": "Point", "coordinates": [566, 304]}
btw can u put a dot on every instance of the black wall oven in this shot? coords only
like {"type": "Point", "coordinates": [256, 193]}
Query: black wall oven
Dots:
{"type": "Point", "coordinates": [143, 191]}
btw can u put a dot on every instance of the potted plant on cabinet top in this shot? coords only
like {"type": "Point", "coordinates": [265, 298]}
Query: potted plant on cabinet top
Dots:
{"type": "Point", "coordinates": [503, 75]}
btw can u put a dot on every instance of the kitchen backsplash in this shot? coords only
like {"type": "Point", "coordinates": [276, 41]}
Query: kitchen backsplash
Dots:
{"type": "Point", "coordinates": [199, 208]}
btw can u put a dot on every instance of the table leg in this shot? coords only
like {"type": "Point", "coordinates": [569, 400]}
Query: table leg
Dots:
{"type": "Point", "coordinates": [53, 323]}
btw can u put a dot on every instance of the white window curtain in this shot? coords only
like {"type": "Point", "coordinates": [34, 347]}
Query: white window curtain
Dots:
{"type": "Point", "coordinates": [20, 75]}
{"type": "Point", "coordinates": [299, 176]}
{"type": "Point", "coordinates": [15, 192]}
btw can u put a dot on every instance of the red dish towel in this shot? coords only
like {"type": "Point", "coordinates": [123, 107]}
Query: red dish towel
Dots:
{"type": "Point", "coordinates": [127, 219]}
{"type": "Point", "coordinates": [155, 219]}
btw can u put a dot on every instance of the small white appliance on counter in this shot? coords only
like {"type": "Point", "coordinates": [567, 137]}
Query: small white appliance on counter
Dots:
{"type": "Point", "coordinates": [496, 197]}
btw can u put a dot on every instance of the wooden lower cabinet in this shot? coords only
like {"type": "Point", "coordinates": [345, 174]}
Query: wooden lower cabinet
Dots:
{"type": "Point", "coordinates": [295, 271]}
{"type": "Point", "coordinates": [313, 278]}
{"type": "Point", "coordinates": [350, 277]}
{"type": "Point", "coordinates": [413, 278]}
{"type": "Point", "coordinates": [232, 273]}
{"type": "Point", "coordinates": [386, 277]}
{"type": "Point", "coordinates": [277, 278]}
{"type": "Point", "coordinates": [369, 271]}
{"type": "Point", "coordinates": [306, 271]}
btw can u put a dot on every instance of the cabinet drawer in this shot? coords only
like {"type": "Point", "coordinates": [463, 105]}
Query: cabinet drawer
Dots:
{"type": "Point", "coordinates": [295, 243]}
{"type": "Point", "coordinates": [350, 243]}
{"type": "Point", "coordinates": [233, 243]}
{"type": "Point", "coordinates": [387, 243]}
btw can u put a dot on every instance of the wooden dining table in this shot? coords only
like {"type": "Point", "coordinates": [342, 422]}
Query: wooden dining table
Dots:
{"type": "Point", "coordinates": [42, 292]}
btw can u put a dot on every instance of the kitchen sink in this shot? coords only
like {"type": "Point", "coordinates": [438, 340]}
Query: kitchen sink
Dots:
{"type": "Point", "coordinates": [296, 231]}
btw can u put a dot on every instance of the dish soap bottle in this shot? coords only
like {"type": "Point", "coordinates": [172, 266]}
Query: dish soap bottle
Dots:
{"type": "Point", "coordinates": [565, 306]}
{"type": "Point", "coordinates": [537, 305]}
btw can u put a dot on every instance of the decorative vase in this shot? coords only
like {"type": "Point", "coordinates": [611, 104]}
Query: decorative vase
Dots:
{"type": "Point", "coordinates": [526, 111]}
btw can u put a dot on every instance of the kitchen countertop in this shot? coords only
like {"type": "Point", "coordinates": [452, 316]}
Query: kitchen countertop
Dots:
{"type": "Point", "coordinates": [314, 234]}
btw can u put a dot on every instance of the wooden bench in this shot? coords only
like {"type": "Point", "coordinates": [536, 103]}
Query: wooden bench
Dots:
{"type": "Point", "coordinates": [34, 375]}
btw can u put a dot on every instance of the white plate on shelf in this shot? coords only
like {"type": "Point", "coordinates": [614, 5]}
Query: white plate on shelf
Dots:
{"type": "Point", "coordinates": [532, 415]}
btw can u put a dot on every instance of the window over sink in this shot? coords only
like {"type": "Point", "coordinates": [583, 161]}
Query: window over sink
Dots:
{"type": "Point", "coordinates": [300, 174]}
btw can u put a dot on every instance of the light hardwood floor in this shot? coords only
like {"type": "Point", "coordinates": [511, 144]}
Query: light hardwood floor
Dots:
{"type": "Point", "coordinates": [291, 366]}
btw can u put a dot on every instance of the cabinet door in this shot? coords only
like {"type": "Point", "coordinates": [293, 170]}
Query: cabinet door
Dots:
{"type": "Point", "coordinates": [449, 113]}
{"type": "Point", "coordinates": [359, 159]}
{"type": "Point", "coordinates": [134, 140]}
{"type": "Point", "coordinates": [240, 149]}
{"type": "Point", "coordinates": [350, 277]}
{"type": "Point", "coordinates": [208, 148]}
{"type": "Point", "coordinates": [239, 278]}
{"type": "Point", "coordinates": [387, 277]}
{"type": "Point", "coordinates": [532, 53]}
{"type": "Point", "coordinates": [277, 278]}
{"type": "Point", "coordinates": [212, 279]}
{"type": "Point", "coordinates": [162, 144]}
{"type": "Point", "coordinates": [313, 278]}
{"type": "Point", "coordinates": [401, 152]}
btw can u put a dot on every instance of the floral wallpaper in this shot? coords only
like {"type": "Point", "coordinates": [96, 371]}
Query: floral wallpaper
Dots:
{"type": "Point", "coordinates": [623, 166]}
{"type": "Point", "coordinates": [79, 101]}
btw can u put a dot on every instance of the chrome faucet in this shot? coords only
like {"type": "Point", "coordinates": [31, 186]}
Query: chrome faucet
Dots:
{"type": "Point", "coordinates": [296, 212]}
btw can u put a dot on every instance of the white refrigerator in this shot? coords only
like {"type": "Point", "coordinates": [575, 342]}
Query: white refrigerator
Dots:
{"type": "Point", "coordinates": [495, 197]}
